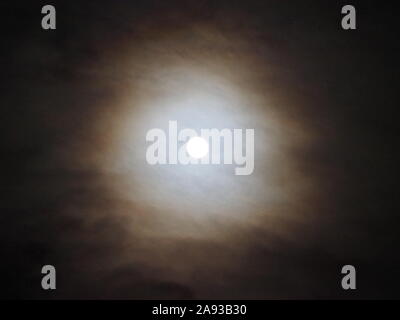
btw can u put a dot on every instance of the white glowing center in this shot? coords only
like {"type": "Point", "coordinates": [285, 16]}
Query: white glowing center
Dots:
{"type": "Point", "coordinates": [197, 147]}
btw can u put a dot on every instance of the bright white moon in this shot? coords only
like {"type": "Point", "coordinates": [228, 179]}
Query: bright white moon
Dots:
{"type": "Point", "coordinates": [197, 147]}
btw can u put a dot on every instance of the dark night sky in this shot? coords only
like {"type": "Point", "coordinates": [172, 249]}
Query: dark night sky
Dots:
{"type": "Point", "coordinates": [66, 94]}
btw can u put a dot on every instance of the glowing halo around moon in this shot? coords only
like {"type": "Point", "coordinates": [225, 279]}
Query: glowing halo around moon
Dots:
{"type": "Point", "coordinates": [197, 147]}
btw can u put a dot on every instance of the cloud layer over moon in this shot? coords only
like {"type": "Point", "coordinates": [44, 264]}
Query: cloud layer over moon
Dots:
{"type": "Point", "coordinates": [82, 98]}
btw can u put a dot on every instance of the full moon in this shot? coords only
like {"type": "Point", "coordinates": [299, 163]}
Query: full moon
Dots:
{"type": "Point", "coordinates": [197, 147]}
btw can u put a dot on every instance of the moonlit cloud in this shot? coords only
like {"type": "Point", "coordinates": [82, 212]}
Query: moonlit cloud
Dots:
{"type": "Point", "coordinates": [114, 226]}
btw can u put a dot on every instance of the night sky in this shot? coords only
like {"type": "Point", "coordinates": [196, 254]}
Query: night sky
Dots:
{"type": "Point", "coordinates": [76, 103]}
